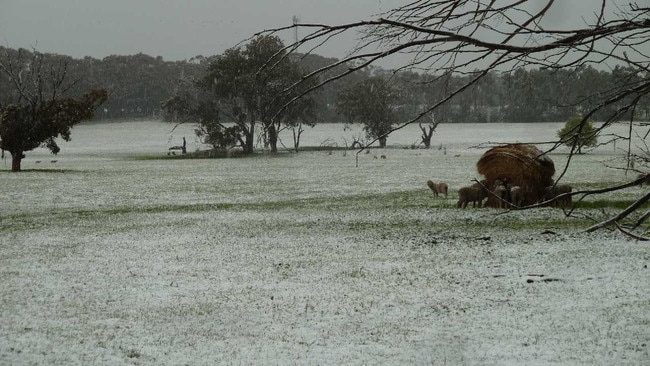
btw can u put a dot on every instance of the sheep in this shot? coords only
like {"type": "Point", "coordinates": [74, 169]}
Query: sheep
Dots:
{"type": "Point", "coordinates": [554, 191]}
{"type": "Point", "coordinates": [516, 197]}
{"type": "Point", "coordinates": [482, 186]}
{"type": "Point", "coordinates": [474, 193]}
{"type": "Point", "coordinates": [501, 191]}
{"type": "Point", "coordinates": [438, 188]}
{"type": "Point", "coordinates": [466, 195]}
{"type": "Point", "coordinates": [564, 189]}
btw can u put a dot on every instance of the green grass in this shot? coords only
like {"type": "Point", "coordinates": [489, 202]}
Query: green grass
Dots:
{"type": "Point", "coordinates": [418, 200]}
{"type": "Point", "coordinates": [614, 204]}
{"type": "Point", "coordinates": [412, 199]}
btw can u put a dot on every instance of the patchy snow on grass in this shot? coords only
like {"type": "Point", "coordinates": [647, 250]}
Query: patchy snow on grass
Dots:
{"type": "Point", "coordinates": [306, 259]}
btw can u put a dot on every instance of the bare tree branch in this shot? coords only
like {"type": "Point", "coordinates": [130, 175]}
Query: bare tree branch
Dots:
{"type": "Point", "coordinates": [629, 233]}
{"type": "Point", "coordinates": [633, 207]}
{"type": "Point", "coordinates": [474, 38]}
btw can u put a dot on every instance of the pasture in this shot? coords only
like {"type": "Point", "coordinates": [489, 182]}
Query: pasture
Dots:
{"type": "Point", "coordinates": [114, 253]}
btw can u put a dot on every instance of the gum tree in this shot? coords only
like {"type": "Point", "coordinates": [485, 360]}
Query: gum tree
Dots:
{"type": "Point", "coordinates": [38, 111]}
{"type": "Point", "coordinates": [250, 85]}
{"type": "Point", "coordinates": [188, 105]}
{"type": "Point", "coordinates": [372, 103]}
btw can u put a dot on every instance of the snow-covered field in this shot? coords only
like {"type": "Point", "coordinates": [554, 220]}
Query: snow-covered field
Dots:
{"type": "Point", "coordinates": [306, 258]}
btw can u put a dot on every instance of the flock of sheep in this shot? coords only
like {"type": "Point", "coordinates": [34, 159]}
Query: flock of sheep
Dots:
{"type": "Point", "coordinates": [506, 195]}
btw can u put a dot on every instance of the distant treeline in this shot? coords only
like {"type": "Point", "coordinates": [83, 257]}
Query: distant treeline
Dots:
{"type": "Point", "coordinates": [137, 84]}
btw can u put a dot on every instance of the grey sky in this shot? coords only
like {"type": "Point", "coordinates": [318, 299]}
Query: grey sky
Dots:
{"type": "Point", "coordinates": [174, 29]}
{"type": "Point", "coordinates": [181, 29]}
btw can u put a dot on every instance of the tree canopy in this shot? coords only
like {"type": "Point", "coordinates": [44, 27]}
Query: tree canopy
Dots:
{"type": "Point", "coordinates": [578, 134]}
{"type": "Point", "coordinates": [246, 86]}
{"type": "Point", "coordinates": [373, 103]}
{"type": "Point", "coordinates": [137, 84]}
{"type": "Point", "coordinates": [40, 111]}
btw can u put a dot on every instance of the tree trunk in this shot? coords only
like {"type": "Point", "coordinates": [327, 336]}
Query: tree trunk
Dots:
{"type": "Point", "coordinates": [296, 136]}
{"type": "Point", "coordinates": [250, 139]}
{"type": "Point", "coordinates": [248, 149]}
{"type": "Point", "coordinates": [382, 142]}
{"type": "Point", "coordinates": [426, 137]}
{"type": "Point", "coordinates": [273, 138]}
{"type": "Point", "coordinates": [427, 143]}
{"type": "Point", "coordinates": [16, 158]}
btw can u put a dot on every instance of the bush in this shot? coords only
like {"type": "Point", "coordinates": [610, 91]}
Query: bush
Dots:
{"type": "Point", "coordinates": [579, 132]}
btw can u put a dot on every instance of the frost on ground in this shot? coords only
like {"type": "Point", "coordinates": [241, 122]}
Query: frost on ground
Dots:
{"type": "Point", "coordinates": [305, 259]}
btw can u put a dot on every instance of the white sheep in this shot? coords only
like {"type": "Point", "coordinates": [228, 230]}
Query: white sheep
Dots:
{"type": "Point", "coordinates": [438, 188]}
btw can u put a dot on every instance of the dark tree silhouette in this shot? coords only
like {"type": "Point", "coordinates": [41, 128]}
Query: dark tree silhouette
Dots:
{"type": "Point", "coordinates": [189, 105]}
{"type": "Point", "coordinates": [427, 131]}
{"type": "Point", "coordinates": [475, 38]}
{"type": "Point", "coordinates": [372, 103]}
{"type": "Point", "coordinates": [39, 112]}
{"type": "Point", "coordinates": [250, 94]}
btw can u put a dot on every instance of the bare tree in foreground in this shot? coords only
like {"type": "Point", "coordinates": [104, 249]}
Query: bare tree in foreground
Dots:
{"type": "Point", "coordinates": [475, 38]}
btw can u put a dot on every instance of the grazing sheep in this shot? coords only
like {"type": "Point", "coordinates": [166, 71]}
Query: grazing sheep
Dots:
{"type": "Point", "coordinates": [516, 196]}
{"type": "Point", "coordinates": [548, 194]}
{"type": "Point", "coordinates": [554, 191]}
{"type": "Point", "coordinates": [475, 194]}
{"type": "Point", "coordinates": [564, 189]}
{"type": "Point", "coordinates": [501, 191]}
{"type": "Point", "coordinates": [482, 186]}
{"type": "Point", "coordinates": [438, 188]}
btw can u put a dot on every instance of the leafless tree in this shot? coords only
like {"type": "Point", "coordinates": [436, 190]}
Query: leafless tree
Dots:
{"type": "Point", "coordinates": [473, 37]}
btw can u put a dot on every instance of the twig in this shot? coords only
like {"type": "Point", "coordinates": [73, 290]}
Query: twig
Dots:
{"type": "Point", "coordinates": [630, 234]}
{"type": "Point", "coordinates": [614, 220]}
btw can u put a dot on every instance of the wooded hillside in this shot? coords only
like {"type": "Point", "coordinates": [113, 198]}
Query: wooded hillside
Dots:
{"type": "Point", "coordinates": [137, 84]}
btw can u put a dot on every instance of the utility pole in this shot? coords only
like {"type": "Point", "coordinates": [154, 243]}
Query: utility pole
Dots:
{"type": "Point", "coordinates": [295, 20]}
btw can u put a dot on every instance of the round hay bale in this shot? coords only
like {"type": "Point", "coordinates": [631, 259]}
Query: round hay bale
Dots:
{"type": "Point", "coordinates": [517, 165]}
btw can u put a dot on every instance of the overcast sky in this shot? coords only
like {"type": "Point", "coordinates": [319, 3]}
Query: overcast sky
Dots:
{"type": "Point", "coordinates": [173, 29]}
{"type": "Point", "coordinates": [182, 29]}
